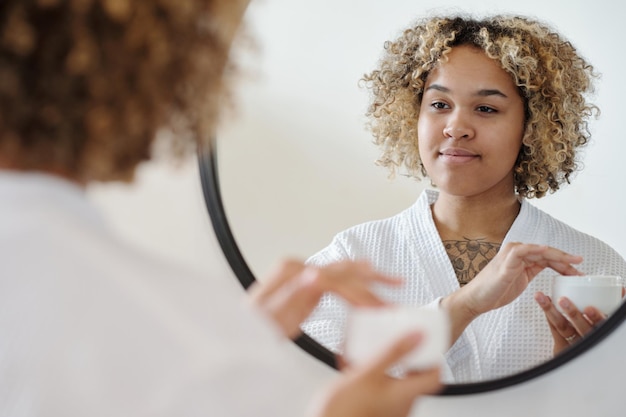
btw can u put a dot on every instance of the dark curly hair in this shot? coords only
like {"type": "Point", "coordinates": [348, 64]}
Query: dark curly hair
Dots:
{"type": "Point", "coordinates": [86, 85]}
{"type": "Point", "coordinates": [552, 78]}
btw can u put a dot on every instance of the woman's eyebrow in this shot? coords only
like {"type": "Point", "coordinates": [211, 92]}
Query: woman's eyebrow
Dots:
{"type": "Point", "coordinates": [483, 93]}
{"type": "Point", "coordinates": [491, 92]}
{"type": "Point", "coordinates": [437, 87]}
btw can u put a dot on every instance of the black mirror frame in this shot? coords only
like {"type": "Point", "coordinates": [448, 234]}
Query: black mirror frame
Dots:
{"type": "Point", "coordinates": [208, 168]}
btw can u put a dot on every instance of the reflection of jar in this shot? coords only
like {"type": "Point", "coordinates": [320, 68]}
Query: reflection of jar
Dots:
{"type": "Point", "coordinates": [603, 292]}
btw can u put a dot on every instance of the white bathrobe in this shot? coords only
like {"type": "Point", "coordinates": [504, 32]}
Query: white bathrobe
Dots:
{"type": "Point", "coordinates": [91, 326]}
{"type": "Point", "coordinates": [496, 344]}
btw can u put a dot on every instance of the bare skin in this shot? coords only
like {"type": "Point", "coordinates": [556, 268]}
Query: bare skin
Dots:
{"type": "Point", "coordinates": [503, 280]}
{"type": "Point", "coordinates": [293, 290]}
{"type": "Point", "coordinates": [470, 130]}
{"type": "Point", "coordinates": [469, 256]}
{"type": "Point", "coordinates": [572, 326]}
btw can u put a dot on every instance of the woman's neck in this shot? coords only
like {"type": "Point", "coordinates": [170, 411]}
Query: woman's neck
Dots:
{"type": "Point", "coordinates": [475, 218]}
{"type": "Point", "coordinates": [14, 165]}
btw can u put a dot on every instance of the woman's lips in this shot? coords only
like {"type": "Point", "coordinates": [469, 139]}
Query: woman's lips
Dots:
{"type": "Point", "coordinates": [457, 155]}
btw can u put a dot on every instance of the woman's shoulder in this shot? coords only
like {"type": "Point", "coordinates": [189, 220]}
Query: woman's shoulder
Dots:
{"type": "Point", "coordinates": [386, 228]}
{"type": "Point", "coordinates": [554, 227]}
{"type": "Point", "coordinates": [363, 239]}
{"type": "Point", "coordinates": [552, 231]}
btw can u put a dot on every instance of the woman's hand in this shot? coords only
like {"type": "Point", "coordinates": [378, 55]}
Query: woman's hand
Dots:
{"type": "Point", "coordinates": [571, 327]}
{"type": "Point", "coordinates": [290, 294]}
{"type": "Point", "coordinates": [368, 391]}
{"type": "Point", "coordinates": [503, 280]}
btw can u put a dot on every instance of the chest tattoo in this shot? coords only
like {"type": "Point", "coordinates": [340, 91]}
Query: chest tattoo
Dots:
{"type": "Point", "coordinates": [470, 256]}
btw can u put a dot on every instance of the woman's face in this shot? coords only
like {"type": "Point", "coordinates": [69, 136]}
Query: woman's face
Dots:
{"type": "Point", "coordinates": [471, 125]}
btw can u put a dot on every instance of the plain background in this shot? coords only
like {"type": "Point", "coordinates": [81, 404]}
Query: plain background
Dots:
{"type": "Point", "coordinates": [297, 167]}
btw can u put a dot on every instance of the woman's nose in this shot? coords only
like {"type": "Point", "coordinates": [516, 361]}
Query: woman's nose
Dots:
{"type": "Point", "coordinates": [458, 128]}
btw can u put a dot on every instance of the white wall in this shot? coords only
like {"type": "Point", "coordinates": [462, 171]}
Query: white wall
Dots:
{"type": "Point", "coordinates": [298, 168]}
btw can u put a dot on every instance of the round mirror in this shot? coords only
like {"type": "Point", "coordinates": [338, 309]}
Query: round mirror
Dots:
{"type": "Point", "coordinates": [296, 164]}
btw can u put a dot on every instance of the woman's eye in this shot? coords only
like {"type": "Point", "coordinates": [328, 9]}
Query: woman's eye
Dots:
{"type": "Point", "coordinates": [440, 105]}
{"type": "Point", "coordinates": [486, 109]}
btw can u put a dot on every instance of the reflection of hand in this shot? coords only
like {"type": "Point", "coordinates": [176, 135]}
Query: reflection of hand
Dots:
{"type": "Point", "coordinates": [291, 293]}
{"type": "Point", "coordinates": [367, 391]}
{"type": "Point", "coordinates": [569, 328]}
{"type": "Point", "coordinates": [503, 280]}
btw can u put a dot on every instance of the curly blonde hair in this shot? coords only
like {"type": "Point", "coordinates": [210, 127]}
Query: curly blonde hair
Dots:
{"type": "Point", "coordinates": [86, 85]}
{"type": "Point", "coordinates": [552, 78]}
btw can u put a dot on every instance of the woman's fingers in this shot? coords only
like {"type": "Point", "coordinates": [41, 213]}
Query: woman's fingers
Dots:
{"type": "Point", "coordinates": [414, 383]}
{"type": "Point", "coordinates": [571, 325]}
{"type": "Point", "coordinates": [556, 320]}
{"type": "Point", "coordinates": [564, 268]}
{"type": "Point", "coordinates": [341, 362]}
{"type": "Point", "coordinates": [563, 332]}
{"type": "Point", "coordinates": [290, 294]}
{"type": "Point", "coordinates": [536, 253]}
{"type": "Point", "coordinates": [366, 389]}
{"type": "Point", "coordinates": [534, 258]}
{"type": "Point", "coordinates": [355, 272]}
{"type": "Point", "coordinates": [421, 383]}
{"type": "Point", "coordinates": [594, 316]}
{"type": "Point", "coordinates": [282, 274]}
{"type": "Point", "coordinates": [352, 281]}
{"type": "Point", "coordinates": [574, 316]}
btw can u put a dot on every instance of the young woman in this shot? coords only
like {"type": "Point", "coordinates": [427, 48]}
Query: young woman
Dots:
{"type": "Point", "coordinates": [493, 112]}
{"type": "Point", "coordinates": [91, 326]}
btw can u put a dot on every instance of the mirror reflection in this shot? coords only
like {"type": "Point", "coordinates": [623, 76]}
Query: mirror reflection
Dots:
{"type": "Point", "coordinates": [316, 159]}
